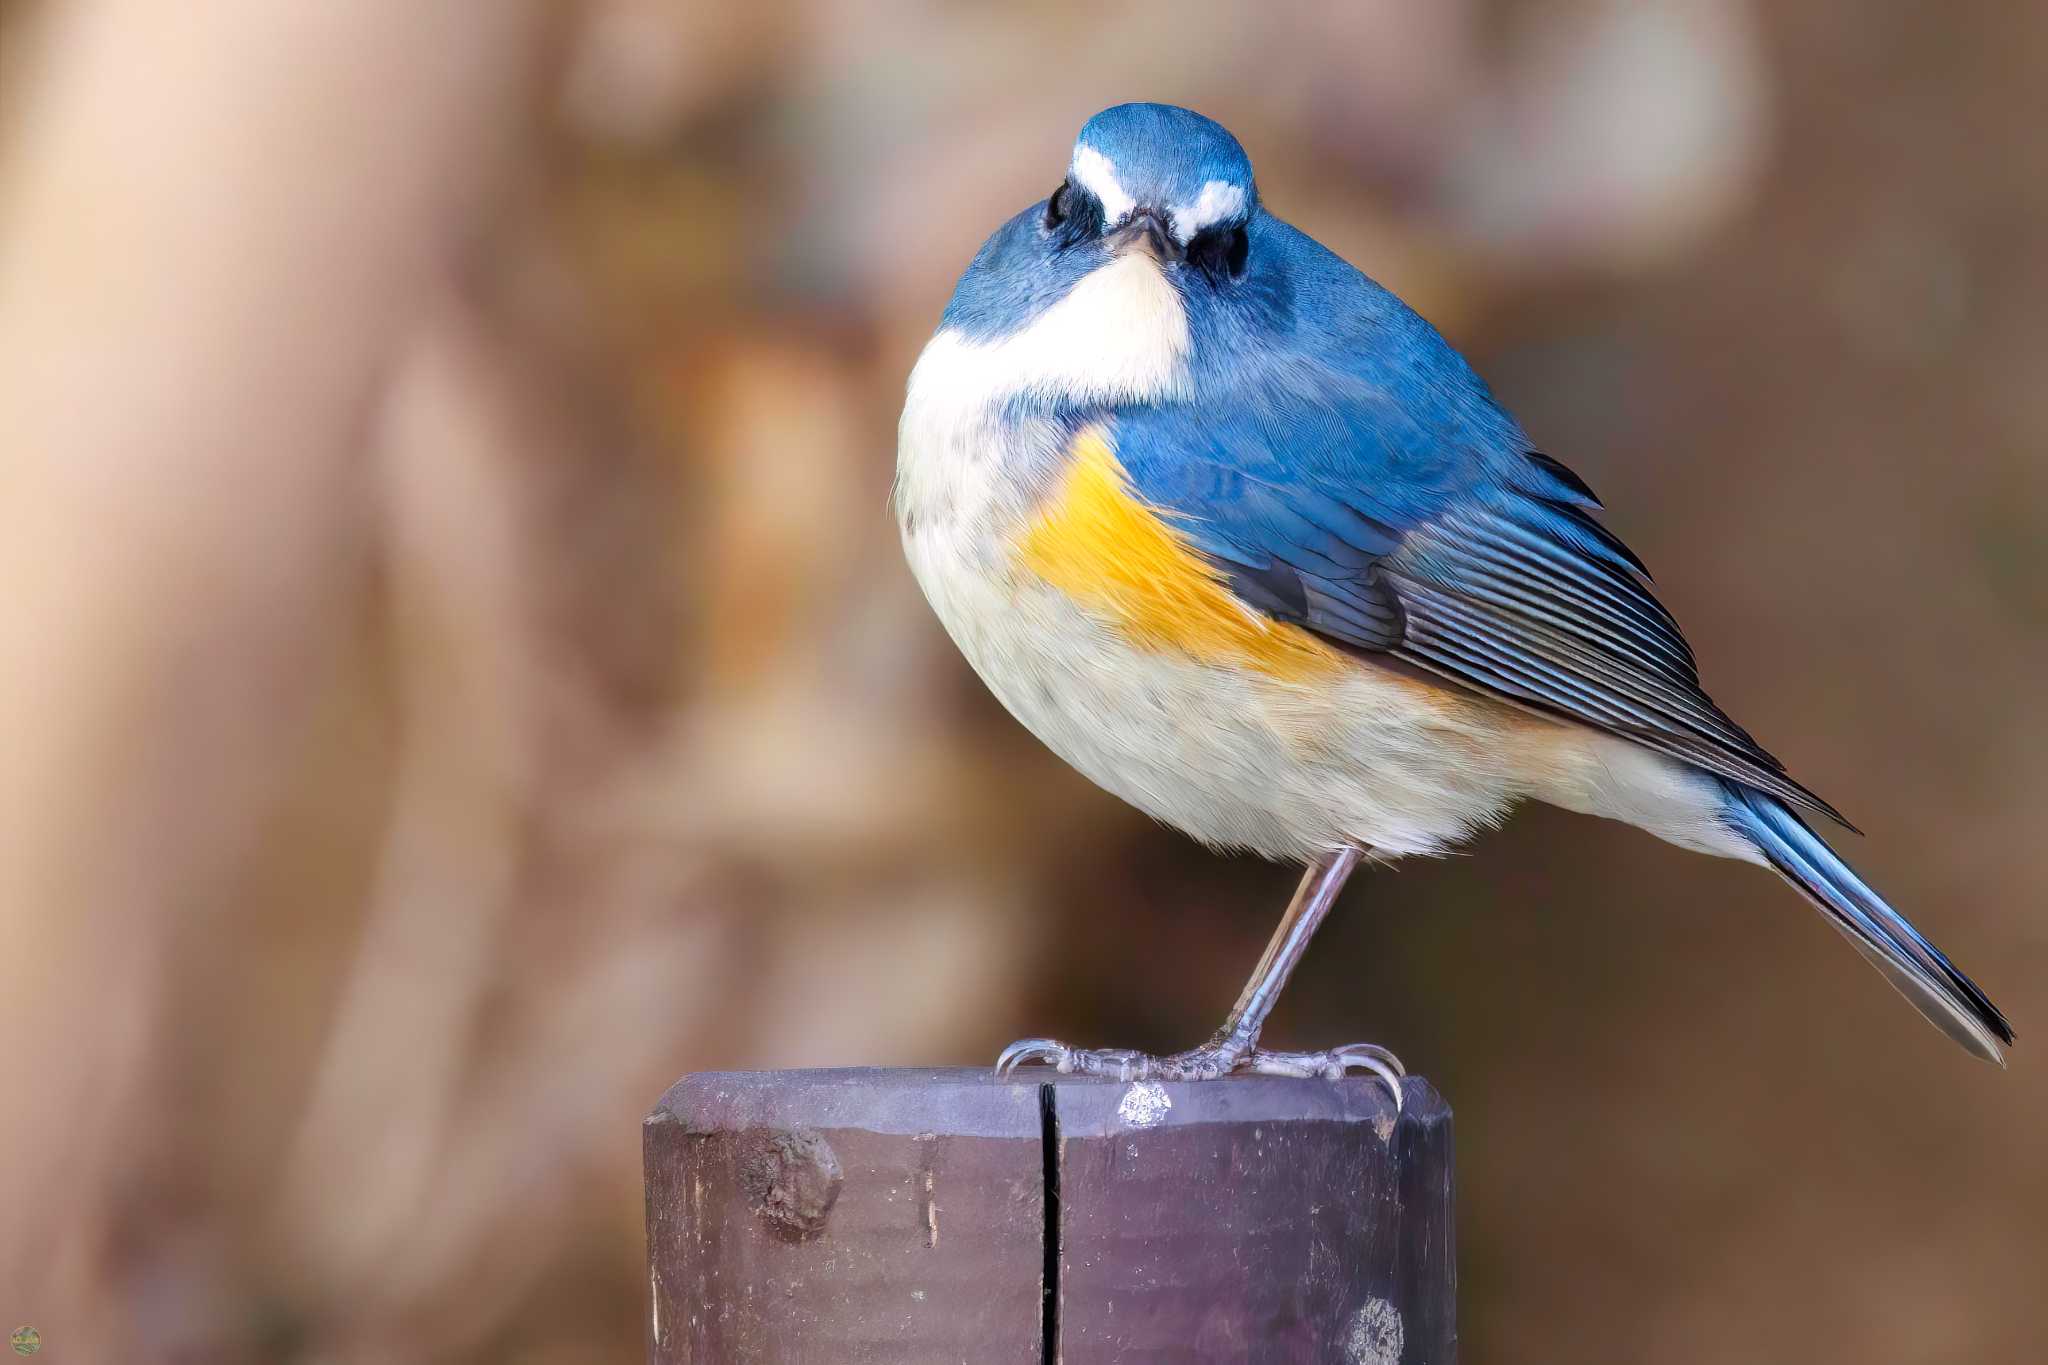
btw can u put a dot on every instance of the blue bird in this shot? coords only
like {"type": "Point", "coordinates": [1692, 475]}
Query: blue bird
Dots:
{"type": "Point", "coordinates": [1238, 535]}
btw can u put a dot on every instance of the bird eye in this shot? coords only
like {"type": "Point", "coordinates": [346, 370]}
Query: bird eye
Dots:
{"type": "Point", "coordinates": [1221, 251]}
{"type": "Point", "coordinates": [1057, 207]}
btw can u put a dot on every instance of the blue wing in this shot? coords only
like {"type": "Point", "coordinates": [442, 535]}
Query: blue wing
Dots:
{"type": "Point", "coordinates": [1390, 506]}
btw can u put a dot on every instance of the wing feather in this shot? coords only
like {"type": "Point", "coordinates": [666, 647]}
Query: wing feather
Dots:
{"type": "Point", "coordinates": [1493, 572]}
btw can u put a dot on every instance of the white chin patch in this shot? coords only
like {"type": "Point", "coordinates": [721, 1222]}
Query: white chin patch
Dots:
{"type": "Point", "coordinates": [1121, 334]}
{"type": "Point", "coordinates": [1096, 173]}
{"type": "Point", "coordinates": [1219, 202]}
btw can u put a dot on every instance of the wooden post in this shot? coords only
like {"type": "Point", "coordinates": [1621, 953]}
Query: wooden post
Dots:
{"type": "Point", "coordinates": [831, 1217]}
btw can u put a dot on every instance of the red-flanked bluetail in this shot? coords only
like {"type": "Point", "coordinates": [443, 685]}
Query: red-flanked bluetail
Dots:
{"type": "Point", "coordinates": [1237, 534]}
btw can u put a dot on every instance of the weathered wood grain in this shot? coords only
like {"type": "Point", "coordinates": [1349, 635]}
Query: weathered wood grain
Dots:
{"type": "Point", "coordinates": [832, 1217]}
{"type": "Point", "coordinates": [837, 1216]}
{"type": "Point", "coordinates": [1255, 1218]}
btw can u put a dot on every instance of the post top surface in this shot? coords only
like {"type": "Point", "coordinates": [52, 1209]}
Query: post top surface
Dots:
{"type": "Point", "coordinates": [974, 1101]}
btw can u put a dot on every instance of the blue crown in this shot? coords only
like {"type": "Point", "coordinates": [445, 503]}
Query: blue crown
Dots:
{"type": "Point", "coordinates": [1162, 155]}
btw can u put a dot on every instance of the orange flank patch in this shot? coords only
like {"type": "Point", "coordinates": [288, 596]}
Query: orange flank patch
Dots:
{"type": "Point", "coordinates": [1096, 542]}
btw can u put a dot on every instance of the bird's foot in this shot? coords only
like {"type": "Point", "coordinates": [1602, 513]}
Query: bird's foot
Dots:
{"type": "Point", "coordinates": [1198, 1064]}
{"type": "Point", "coordinates": [1205, 1063]}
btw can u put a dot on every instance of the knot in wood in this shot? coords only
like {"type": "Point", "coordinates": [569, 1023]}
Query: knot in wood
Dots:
{"type": "Point", "coordinates": [791, 1178]}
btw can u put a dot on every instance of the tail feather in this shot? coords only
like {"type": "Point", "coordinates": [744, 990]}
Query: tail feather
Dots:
{"type": "Point", "coordinates": [1918, 969]}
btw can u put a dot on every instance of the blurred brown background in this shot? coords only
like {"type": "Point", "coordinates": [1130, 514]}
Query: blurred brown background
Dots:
{"type": "Point", "coordinates": [458, 674]}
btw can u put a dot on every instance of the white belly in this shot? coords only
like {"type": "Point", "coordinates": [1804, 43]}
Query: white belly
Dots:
{"type": "Point", "coordinates": [1231, 758]}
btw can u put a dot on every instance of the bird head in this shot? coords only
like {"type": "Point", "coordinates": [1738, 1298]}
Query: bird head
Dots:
{"type": "Point", "coordinates": [1160, 180]}
{"type": "Point", "coordinates": [1147, 185]}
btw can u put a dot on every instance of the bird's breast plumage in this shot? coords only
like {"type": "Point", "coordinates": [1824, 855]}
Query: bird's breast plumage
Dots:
{"type": "Point", "coordinates": [1090, 617]}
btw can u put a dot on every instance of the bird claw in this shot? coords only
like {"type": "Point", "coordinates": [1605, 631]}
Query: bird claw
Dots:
{"type": "Point", "coordinates": [1334, 1065]}
{"type": "Point", "coordinates": [1025, 1050]}
{"type": "Point", "coordinates": [1204, 1063]}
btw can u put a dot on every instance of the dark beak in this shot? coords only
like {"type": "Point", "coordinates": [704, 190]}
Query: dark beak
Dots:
{"type": "Point", "coordinates": [1145, 230]}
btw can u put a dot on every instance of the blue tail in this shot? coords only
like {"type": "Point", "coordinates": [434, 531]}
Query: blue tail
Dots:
{"type": "Point", "coordinates": [1920, 971]}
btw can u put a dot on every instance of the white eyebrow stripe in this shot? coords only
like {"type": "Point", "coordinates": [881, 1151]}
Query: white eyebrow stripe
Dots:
{"type": "Point", "coordinates": [1218, 202]}
{"type": "Point", "coordinates": [1096, 173]}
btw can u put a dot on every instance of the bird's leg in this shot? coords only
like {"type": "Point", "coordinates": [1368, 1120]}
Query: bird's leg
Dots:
{"type": "Point", "coordinates": [1236, 1045]}
{"type": "Point", "coordinates": [1239, 1036]}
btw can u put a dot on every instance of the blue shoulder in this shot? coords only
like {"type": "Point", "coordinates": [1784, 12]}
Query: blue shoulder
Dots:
{"type": "Point", "coordinates": [1328, 422]}
{"type": "Point", "coordinates": [1313, 379]}
{"type": "Point", "coordinates": [1315, 388]}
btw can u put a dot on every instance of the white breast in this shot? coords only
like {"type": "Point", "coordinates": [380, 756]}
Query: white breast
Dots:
{"type": "Point", "coordinates": [968, 472]}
